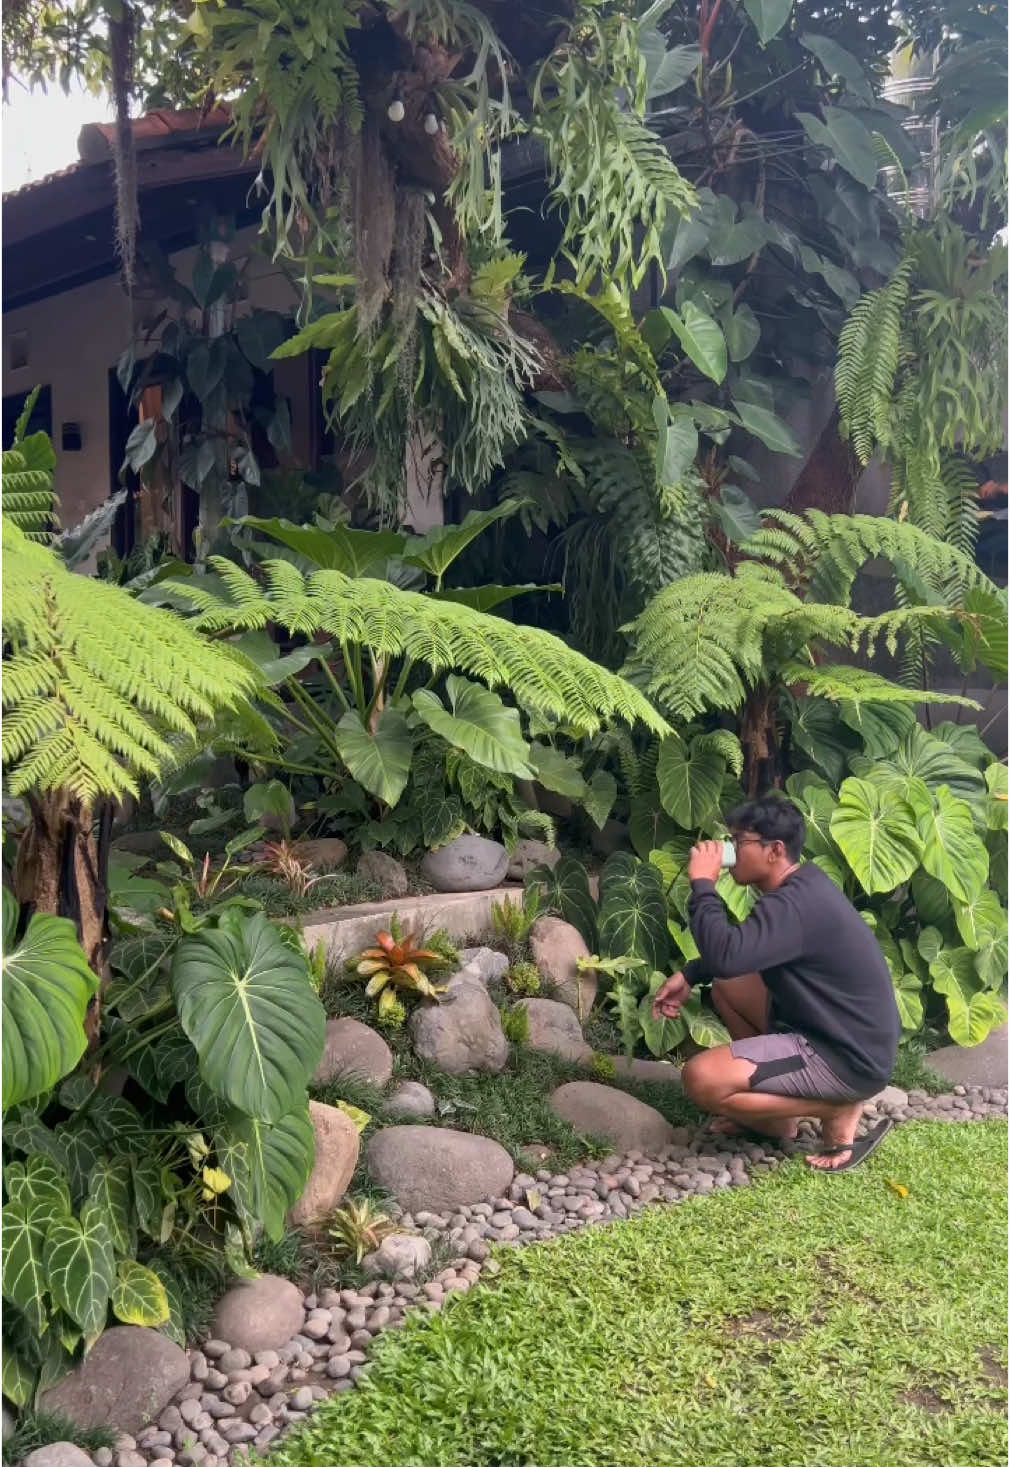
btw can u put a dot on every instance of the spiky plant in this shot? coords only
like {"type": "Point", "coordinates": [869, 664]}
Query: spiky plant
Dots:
{"type": "Point", "coordinates": [358, 1228]}
{"type": "Point", "coordinates": [396, 963]}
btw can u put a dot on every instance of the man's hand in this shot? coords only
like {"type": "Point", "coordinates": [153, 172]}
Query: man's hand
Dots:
{"type": "Point", "coordinates": [705, 863]}
{"type": "Point", "coordinates": [669, 999]}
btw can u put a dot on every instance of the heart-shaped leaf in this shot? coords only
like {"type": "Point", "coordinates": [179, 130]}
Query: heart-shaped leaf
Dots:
{"type": "Point", "coordinates": [875, 831]}
{"type": "Point", "coordinates": [951, 851]}
{"type": "Point", "coordinates": [690, 782]}
{"type": "Point", "coordinates": [109, 1191]}
{"type": "Point", "coordinates": [557, 771]}
{"type": "Point", "coordinates": [379, 761]}
{"type": "Point", "coordinates": [972, 1011]}
{"type": "Point", "coordinates": [436, 551]}
{"type": "Point", "coordinates": [480, 724]}
{"type": "Point", "coordinates": [743, 332]}
{"type": "Point", "coordinates": [565, 890]}
{"type": "Point", "coordinates": [601, 792]}
{"type": "Point", "coordinates": [847, 139]}
{"type": "Point", "coordinates": [25, 1279]}
{"type": "Point", "coordinates": [247, 1005]}
{"type": "Point", "coordinates": [769, 16]}
{"type": "Point", "coordinates": [768, 427]}
{"type": "Point", "coordinates": [269, 1166]}
{"type": "Point", "coordinates": [47, 986]}
{"type": "Point", "coordinates": [139, 1296]}
{"type": "Point", "coordinates": [81, 1268]}
{"type": "Point", "coordinates": [632, 920]}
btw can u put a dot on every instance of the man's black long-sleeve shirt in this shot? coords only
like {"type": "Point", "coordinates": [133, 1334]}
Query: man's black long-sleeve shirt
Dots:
{"type": "Point", "coordinates": [821, 963]}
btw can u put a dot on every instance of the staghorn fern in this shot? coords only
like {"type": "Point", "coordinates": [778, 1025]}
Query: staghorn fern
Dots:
{"type": "Point", "coordinates": [100, 690]}
{"type": "Point", "coordinates": [542, 673]}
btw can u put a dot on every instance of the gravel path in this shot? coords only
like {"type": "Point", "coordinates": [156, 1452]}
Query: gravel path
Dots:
{"type": "Point", "coordinates": [236, 1402]}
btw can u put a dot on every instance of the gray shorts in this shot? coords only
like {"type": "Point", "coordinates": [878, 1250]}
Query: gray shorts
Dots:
{"type": "Point", "coordinates": [787, 1064]}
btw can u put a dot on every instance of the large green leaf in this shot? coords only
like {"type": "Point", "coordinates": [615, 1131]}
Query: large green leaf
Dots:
{"type": "Point", "coordinates": [557, 771]}
{"type": "Point", "coordinates": [936, 763]}
{"type": "Point", "coordinates": [951, 851]}
{"type": "Point", "coordinates": [479, 724]}
{"type": "Point", "coordinates": [769, 16]}
{"type": "Point", "coordinates": [436, 551]}
{"type": "Point", "coordinates": [109, 1189]}
{"type": "Point", "coordinates": [25, 1278]}
{"type": "Point", "coordinates": [964, 739]}
{"type": "Point", "coordinates": [881, 726]}
{"type": "Point", "coordinates": [47, 986]}
{"type": "Point", "coordinates": [703, 1026]}
{"type": "Point", "coordinates": [743, 332]}
{"type": "Point", "coordinates": [690, 782]}
{"type": "Point", "coordinates": [37, 1182]}
{"type": "Point", "coordinates": [649, 826]}
{"type": "Point", "coordinates": [354, 552]}
{"type": "Point", "coordinates": [818, 805]}
{"type": "Point", "coordinates": [660, 1035]}
{"type": "Point", "coordinates": [81, 1268]}
{"type": "Point", "coordinates": [875, 831]}
{"type": "Point", "coordinates": [972, 1011]}
{"type": "Point", "coordinates": [601, 792]}
{"type": "Point", "coordinates": [996, 804]}
{"type": "Point", "coordinates": [566, 891]}
{"type": "Point", "coordinates": [908, 997]}
{"type": "Point", "coordinates": [818, 733]}
{"type": "Point", "coordinates": [701, 339]}
{"type": "Point", "coordinates": [767, 427]}
{"type": "Point", "coordinates": [836, 61]}
{"type": "Point", "coordinates": [632, 920]}
{"type": "Point", "coordinates": [982, 924]}
{"type": "Point", "coordinates": [847, 139]}
{"type": "Point", "coordinates": [486, 598]}
{"type": "Point", "coordinates": [247, 1005]}
{"type": "Point", "coordinates": [139, 1296]}
{"type": "Point", "coordinates": [269, 1166]}
{"type": "Point", "coordinates": [379, 761]}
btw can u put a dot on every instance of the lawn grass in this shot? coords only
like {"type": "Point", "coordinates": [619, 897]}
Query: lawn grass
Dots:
{"type": "Point", "coordinates": [822, 1321]}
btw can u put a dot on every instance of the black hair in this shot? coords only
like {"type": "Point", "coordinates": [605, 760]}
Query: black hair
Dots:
{"type": "Point", "coordinates": [772, 817]}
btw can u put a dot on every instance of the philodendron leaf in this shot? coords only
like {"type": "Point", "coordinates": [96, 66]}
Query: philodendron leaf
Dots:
{"type": "Point", "coordinates": [701, 339]}
{"type": "Point", "coordinates": [768, 427]}
{"type": "Point", "coordinates": [769, 16]}
{"type": "Point", "coordinates": [951, 851]}
{"type": "Point", "coordinates": [353, 552]}
{"type": "Point", "coordinates": [247, 1004]}
{"type": "Point", "coordinates": [690, 781]}
{"type": "Point", "coordinates": [269, 1166]}
{"type": "Point", "coordinates": [139, 1297]}
{"type": "Point", "coordinates": [632, 919]}
{"type": "Point", "coordinates": [81, 1268]}
{"type": "Point", "coordinates": [47, 986]}
{"type": "Point", "coordinates": [972, 1011]}
{"type": "Point", "coordinates": [660, 1035]}
{"type": "Point", "coordinates": [480, 724]}
{"type": "Point", "coordinates": [601, 792]}
{"type": "Point", "coordinates": [25, 1279]}
{"type": "Point", "coordinates": [379, 761]}
{"type": "Point", "coordinates": [982, 924]}
{"type": "Point", "coordinates": [875, 831]}
{"type": "Point", "coordinates": [436, 551]}
{"type": "Point", "coordinates": [557, 771]}
{"type": "Point", "coordinates": [847, 139]}
{"type": "Point", "coordinates": [704, 1028]}
{"type": "Point", "coordinates": [566, 891]}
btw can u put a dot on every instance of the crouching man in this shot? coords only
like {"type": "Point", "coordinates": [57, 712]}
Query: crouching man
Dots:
{"type": "Point", "coordinates": [801, 985]}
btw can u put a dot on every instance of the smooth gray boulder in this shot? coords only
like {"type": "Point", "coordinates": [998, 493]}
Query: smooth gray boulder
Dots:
{"type": "Point", "coordinates": [387, 873]}
{"type": "Point", "coordinates": [602, 1110]}
{"type": "Point", "coordinates": [554, 1029]}
{"type": "Point", "coordinates": [125, 1381]}
{"type": "Point", "coordinates": [529, 853]}
{"type": "Point", "coordinates": [434, 1169]}
{"type": "Point", "coordinates": [259, 1314]}
{"type": "Point", "coordinates": [410, 1098]}
{"type": "Point", "coordinates": [400, 1256]}
{"type": "Point", "coordinates": [354, 1050]}
{"type": "Point", "coordinates": [58, 1454]}
{"type": "Point", "coordinates": [468, 863]}
{"type": "Point", "coordinates": [462, 1034]}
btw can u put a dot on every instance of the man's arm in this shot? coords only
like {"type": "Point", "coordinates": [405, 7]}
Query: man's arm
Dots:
{"type": "Point", "coordinates": [771, 935]}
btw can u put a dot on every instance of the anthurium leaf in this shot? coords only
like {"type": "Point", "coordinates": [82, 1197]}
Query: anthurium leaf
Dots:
{"type": "Point", "coordinates": [47, 986]}
{"type": "Point", "coordinates": [836, 61]}
{"type": "Point", "coordinates": [354, 552]}
{"type": "Point", "coordinates": [109, 1190]}
{"type": "Point", "coordinates": [436, 551]}
{"type": "Point", "coordinates": [247, 1004]}
{"type": "Point", "coordinates": [738, 515]}
{"type": "Point", "coordinates": [951, 851]}
{"type": "Point", "coordinates": [769, 16]}
{"type": "Point", "coordinates": [743, 333]}
{"type": "Point", "coordinates": [80, 1266]}
{"type": "Point", "coordinates": [480, 724]}
{"type": "Point", "coordinates": [566, 891]}
{"type": "Point", "coordinates": [601, 792]}
{"type": "Point", "coordinates": [632, 920]}
{"type": "Point", "coordinates": [269, 1166]}
{"type": "Point", "coordinates": [557, 771]}
{"type": "Point", "coordinates": [25, 1278]}
{"type": "Point", "coordinates": [847, 139]}
{"type": "Point", "coordinates": [875, 831]}
{"type": "Point", "coordinates": [690, 782]}
{"type": "Point", "coordinates": [701, 339]}
{"type": "Point", "coordinates": [768, 427]}
{"type": "Point", "coordinates": [38, 1182]}
{"type": "Point", "coordinates": [379, 761]}
{"type": "Point", "coordinates": [138, 1296]}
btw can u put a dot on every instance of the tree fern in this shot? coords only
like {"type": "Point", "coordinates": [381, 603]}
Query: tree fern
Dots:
{"type": "Point", "coordinates": [26, 480]}
{"type": "Point", "coordinates": [868, 353]}
{"type": "Point", "coordinates": [541, 672]}
{"type": "Point", "coordinates": [98, 689]}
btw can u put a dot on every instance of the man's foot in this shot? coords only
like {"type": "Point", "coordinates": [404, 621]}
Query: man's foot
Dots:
{"type": "Point", "coordinates": [839, 1133]}
{"type": "Point", "coordinates": [780, 1130]}
{"type": "Point", "coordinates": [824, 1163]}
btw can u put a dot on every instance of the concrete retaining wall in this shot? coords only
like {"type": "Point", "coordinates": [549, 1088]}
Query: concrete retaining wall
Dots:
{"type": "Point", "coordinates": [346, 930]}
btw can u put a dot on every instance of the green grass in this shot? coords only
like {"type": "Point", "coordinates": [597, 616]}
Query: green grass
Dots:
{"type": "Point", "coordinates": [39, 1428]}
{"type": "Point", "coordinates": [911, 1073]}
{"type": "Point", "coordinates": [805, 1320]}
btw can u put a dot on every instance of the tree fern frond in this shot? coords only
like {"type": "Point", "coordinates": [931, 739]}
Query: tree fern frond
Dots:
{"type": "Point", "coordinates": [723, 742]}
{"type": "Point", "coordinates": [98, 688]}
{"type": "Point", "coordinates": [542, 672]}
{"type": "Point", "coordinates": [26, 486]}
{"type": "Point", "coordinates": [846, 684]}
{"type": "Point", "coordinates": [868, 353]}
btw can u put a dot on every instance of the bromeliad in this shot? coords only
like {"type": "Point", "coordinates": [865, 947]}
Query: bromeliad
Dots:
{"type": "Point", "coordinates": [397, 963]}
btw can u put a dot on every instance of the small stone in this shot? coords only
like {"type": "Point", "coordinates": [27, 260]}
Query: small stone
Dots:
{"type": "Point", "coordinates": [269, 1358]}
{"type": "Point", "coordinates": [410, 1099]}
{"type": "Point", "coordinates": [242, 1431]}
{"type": "Point", "coordinates": [302, 1399]}
{"type": "Point", "coordinates": [58, 1454]}
{"type": "Point", "coordinates": [214, 1349]}
{"type": "Point", "coordinates": [103, 1457]}
{"type": "Point", "coordinates": [198, 1365]}
{"type": "Point", "coordinates": [266, 1435]}
{"type": "Point", "coordinates": [190, 1410]}
{"type": "Point", "coordinates": [317, 1328]}
{"type": "Point", "coordinates": [237, 1394]}
{"type": "Point", "coordinates": [170, 1419]}
{"type": "Point", "coordinates": [235, 1359]}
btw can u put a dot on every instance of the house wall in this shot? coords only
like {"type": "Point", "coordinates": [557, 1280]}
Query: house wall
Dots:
{"type": "Point", "coordinates": [76, 336]}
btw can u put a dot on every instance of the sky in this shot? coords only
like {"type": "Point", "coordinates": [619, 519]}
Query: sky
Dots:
{"type": "Point", "coordinates": [40, 131]}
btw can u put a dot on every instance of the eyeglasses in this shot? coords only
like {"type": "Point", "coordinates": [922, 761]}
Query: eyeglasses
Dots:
{"type": "Point", "coordinates": [751, 840]}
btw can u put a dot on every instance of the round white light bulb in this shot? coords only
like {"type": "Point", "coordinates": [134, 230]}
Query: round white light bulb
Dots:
{"type": "Point", "coordinates": [396, 110]}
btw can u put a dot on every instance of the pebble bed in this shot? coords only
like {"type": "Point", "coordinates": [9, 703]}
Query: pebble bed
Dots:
{"type": "Point", "coordinates": [236, 1402]}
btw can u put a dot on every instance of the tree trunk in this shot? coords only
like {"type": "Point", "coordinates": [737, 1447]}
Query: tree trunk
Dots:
{"type": "Point", "coordinates": [829, 477]}
{"type": "Point", "coordinates": [760, 743]}
{"type": "Point", "coordinates": [61, 870]}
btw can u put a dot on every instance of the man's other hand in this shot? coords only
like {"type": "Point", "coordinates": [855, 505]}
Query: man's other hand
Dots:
{"type": "Point", "coordinates": [705, 861]}
{"type": "Point", "coordinates": [674, 993]}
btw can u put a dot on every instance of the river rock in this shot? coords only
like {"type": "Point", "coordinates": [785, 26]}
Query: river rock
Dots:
{"type": "Point", "coordinates": [462, 1034]}
{"type": "Point", "coordinates": [259, 1314]}
{"type": "Point", "coordinates": [410, 1098]}
{"type": "Point", "coordinates": [468, 863]}
{"type": "Point", "coordinates": [554, 1029]}
{"type": "Point", "coordinates": [529, 853]}
{"type": "Point", "coordinates": [129, 1376]}
{"type": "Point", "coordinates": [556, 946]}
{"type": "Point", "coordinates": [58, 1454]}
{"type": "Point", "coordinates": [355, 1051]}
{"type": "Point", "coordinates": [386, 872]}
{"type": "Point", "coordinates": [434, 1169]}
{"type": "Point", "coordinates": [486, 962]}
{"type": "Point", "coordinates": [400, 1256]}
{"type": "Point", "coordinates": [602, 1110]}
{"type": "Point", "coordinates": [338, 1144]}
{"type": "Point", "coordinates": [325, 853]}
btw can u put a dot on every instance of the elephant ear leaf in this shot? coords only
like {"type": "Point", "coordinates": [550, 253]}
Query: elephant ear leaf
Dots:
{"type": "Point", "coordinates": [247, 1005]}
{"type": "Point", "coordinates": [875, 830]}
{"type": "Point", "coordinates": [47, 986]}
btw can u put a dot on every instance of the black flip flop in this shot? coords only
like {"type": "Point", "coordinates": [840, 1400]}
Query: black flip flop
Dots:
{"type": "Point", "coordinates": [860, 1149]}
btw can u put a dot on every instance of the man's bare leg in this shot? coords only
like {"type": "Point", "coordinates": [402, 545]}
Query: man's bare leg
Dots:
{"type": "Point", "coordinates": [717, 1082]}
{"type": "Point", "coordinates": [742, 1005]}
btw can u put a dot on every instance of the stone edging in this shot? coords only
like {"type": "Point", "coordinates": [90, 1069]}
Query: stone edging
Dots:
{"type": "Point", "coordinates": [237, 1402]}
